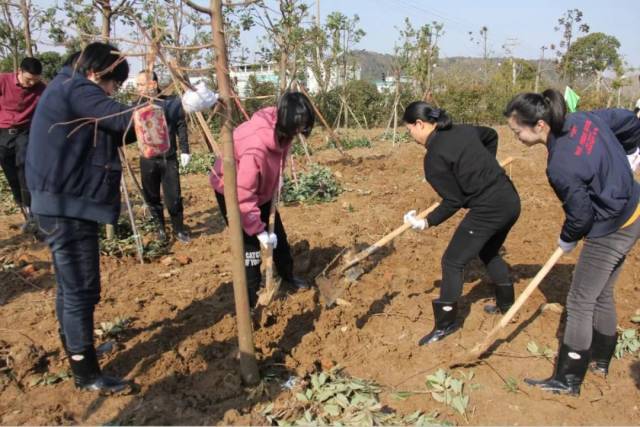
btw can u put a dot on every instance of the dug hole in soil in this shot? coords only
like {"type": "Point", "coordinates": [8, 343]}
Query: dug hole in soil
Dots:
{"type": "Point", "coordinates": [180, 346]}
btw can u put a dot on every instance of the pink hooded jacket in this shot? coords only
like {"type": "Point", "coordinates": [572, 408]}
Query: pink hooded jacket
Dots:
{"type": "Point", "coordinates": [259, 162]}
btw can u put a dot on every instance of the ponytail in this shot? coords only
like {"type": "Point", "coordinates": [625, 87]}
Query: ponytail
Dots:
{"type": "Point", "coordinates": [420, 110]}
{"type": "Point", "coordinates": [548, 106]}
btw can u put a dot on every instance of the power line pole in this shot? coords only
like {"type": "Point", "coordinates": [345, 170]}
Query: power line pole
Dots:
{"type": "Point", "coordinates": [508, 47]}
{"type": "Point", "coordinates": [537, 85]}
{"type": "Point", "coordinates": [318, 13]}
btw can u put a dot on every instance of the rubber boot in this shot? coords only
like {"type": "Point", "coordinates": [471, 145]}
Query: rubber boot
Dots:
{"type": "Point", "coordinates": [571, 368]}
{"type": "Point", "coordinates": [87, 375]}
{"type": "Point", "coordinates": [161, 233]}
{"type": "Point", "coordinates": [445, 315]}
{"type": "Point", "coordinates": [602, 349]}
{"type": "Point", "coordinates": [179, 230]}
{"type": "Point", "coordinates": [298, 283]}
{"type": "Point", "coordinates": [504, 299]}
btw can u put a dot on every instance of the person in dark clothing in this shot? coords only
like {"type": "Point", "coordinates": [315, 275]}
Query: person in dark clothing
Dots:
{"type": "Point", "coordinates": [73, 172]}
{"type": "Point", "coordinates": [164, 170]}
{"type": "Point", "coordinates": [19, 95]}
{"type": "Point", "coordinates": [589, 171]}
{"type": "Point", "coordinates": [460, 165]}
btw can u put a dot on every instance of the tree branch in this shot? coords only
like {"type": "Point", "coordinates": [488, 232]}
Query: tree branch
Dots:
{"type": "Point", "coordinates": [196, 7]}
{"type": "Point", "coordinates": [243, 3]}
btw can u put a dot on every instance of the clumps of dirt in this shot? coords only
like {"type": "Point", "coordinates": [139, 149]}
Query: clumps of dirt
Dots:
{"type": "Point", "coordinates": [18, 361]}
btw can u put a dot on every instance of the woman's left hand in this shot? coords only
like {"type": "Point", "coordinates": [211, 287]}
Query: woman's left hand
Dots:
{"type": "Point", "coordinates": [416, 223]}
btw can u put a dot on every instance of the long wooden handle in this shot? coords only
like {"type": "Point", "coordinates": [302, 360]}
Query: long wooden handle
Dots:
{"type": "Point", "coordinates": [386, 239]}
{"type": "Point", "coordinates": [490, 338]}
{"type": "Point", "coordinates": [272, 285]}
{"type": "Point", "coordinates": [398, 231]}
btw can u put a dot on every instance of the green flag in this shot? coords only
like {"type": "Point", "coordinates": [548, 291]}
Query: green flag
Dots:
{"type": "Point", "coordinates": [571, 98]}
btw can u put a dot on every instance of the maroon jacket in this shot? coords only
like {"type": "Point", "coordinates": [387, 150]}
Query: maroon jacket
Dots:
{"type": "Point", "coordinates": [17, 104]}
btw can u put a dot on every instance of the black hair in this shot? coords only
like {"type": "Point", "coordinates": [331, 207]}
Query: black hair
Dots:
{"type": "Point", "coordinates": [154, 76]}
{"type": "Point", "coordinates": [636, 110]}
{"type": "Point", "coordinates": [548, 106]}
{"type": "Point", "coordinates": [31, 65]}
{"type": "Point", "coordinates": [104, 60]}
{"type": "Point", "coordinates": [71, 59]}
{"type": "Point", "coordinates": [295, 115]}
{"type": "Point", "coordinates": [420, 110]}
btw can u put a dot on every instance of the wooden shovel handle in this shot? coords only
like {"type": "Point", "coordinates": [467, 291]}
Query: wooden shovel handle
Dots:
{"type": "Point", "coordinates": [398, 231]}
{"type": "Point", "coordinates": [386, 239]}
{"type": "Point", "coordinates": [490, 338]}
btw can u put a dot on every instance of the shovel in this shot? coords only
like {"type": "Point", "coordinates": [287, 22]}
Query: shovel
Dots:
{"type": "Point", "coordinates": [272, 283]}
{"type": "Point", "coordinates": [330, 292]}
{"type": "Point", "coordinates": [483, 346]}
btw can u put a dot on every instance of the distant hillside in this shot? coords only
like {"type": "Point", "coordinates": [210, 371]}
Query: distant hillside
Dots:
{"type": "Point", "coordinates": [374, 64]}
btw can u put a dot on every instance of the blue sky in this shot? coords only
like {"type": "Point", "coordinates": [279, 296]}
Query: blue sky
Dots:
{"type": "Point", "coordinates": [532, 24]}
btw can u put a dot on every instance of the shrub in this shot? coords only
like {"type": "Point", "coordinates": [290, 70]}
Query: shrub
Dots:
{"type": "Point", "coordinates": [200, 164]}
{"type": "Point", "coordinates": [314, 186]}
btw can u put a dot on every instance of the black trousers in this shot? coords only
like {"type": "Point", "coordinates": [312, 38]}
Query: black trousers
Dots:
{"type": "Point", "coordinates": [13, 152]}
{"type": "Point", "coordinates": [76, 261]}
{"type": "Point", "coordinates": [281, 254]}
{"type": "Point", "coordinates": [157, 172]}
{"type": "Point", "coordinates": [480, 234]}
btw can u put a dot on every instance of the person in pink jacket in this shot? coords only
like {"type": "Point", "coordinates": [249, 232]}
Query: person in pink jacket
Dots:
{"type": "Point", "coordinates": [261, 146]}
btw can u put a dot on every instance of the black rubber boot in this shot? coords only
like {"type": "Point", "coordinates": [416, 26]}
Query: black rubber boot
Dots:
{"type": "Point", "coordinates": [179, 230]}
{"type": "Point", "coordinates": [571, 368]}
{"type": "Point", "coordinates": [298, 283]}
{"type": "Point", "coordinates": [87, 375]}
{"type": "Point", "coordinates": [158, 218]}
{"type": "Point", "coordinates": [445, 315]}
{"type": "Point", "coordinates": [602, 349]}
{"type": "Point", "coordinates": [504, 299]}
{"type": "Point", "coordinates": [102, 350]}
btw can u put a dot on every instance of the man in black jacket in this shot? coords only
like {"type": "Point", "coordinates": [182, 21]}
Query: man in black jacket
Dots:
{"type": "Point", "coordinates": [164, 170]}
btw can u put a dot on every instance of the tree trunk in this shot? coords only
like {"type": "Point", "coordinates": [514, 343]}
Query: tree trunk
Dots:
{"type": "Point", "coordinates": [24, 9]}
{"type": "Point", "coordinates": [283, 72]}
{"type": "Point", "coordinates": [248, 365]}
{"type": "Point", "coordinates": [107, 13]}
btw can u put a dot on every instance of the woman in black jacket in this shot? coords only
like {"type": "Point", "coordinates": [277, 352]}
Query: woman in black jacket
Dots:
{"type": "Point", "coordinates": [589, 166]}
{"type": "Point", "coordinates": [460, 165]}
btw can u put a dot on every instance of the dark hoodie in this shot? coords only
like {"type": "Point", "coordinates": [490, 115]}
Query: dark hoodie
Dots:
{"type": "Point", "coordinates": [77, 174]}
{"type": "Point", "coordinates": [589, 171]}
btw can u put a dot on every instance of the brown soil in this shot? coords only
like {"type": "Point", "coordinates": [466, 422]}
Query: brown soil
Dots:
{"type": "Point", "coordinates": [181, 346]}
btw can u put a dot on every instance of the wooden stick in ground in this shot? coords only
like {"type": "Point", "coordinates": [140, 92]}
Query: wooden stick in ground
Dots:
{"type": "Point", "coordinates": [241, 107]}
{"type": "Point", "coordinates": [305, 146]}
{"type": "Point", "coordinates": [248, 363]}
{"type": "Point", "coordinates": [395, 233]}
{"type": "Point", "coordinates": [272, 285]}
{"type": "Point", "coordinates": [123, 159]}
{"type": "Point", "coordinates": [480, 348]}
{"type": "Point", "coordinates": [334, 136]}
{"type": "Point", "coordinates": [134, 228]}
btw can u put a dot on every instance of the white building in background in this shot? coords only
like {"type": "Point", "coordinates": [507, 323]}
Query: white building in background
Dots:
{"type": "Point", "coordinates": [388, 83]}
{"type": "Point", "coordinates": [269, 73]}
{"type": "Point", "coordinates": [263, 72]}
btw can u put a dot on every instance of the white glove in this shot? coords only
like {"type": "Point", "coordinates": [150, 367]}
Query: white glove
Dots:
{"type": "Point", "coordinates": [184, 159]}
{"type": "Point", "coordinates": [634, 160]}
{"type": "Point", "coordinates": [416, 224]}
{"type": "Point", "coordinates": [198, 100]}
{"type": "Point", "coordinates": [566, 246]}
{"type": "Point", "coordinates": [268, 239]}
